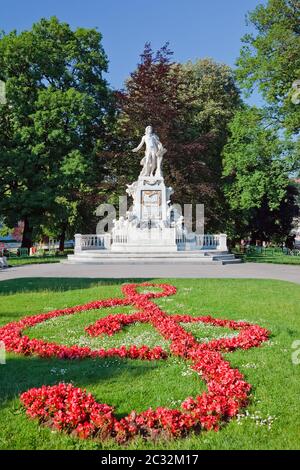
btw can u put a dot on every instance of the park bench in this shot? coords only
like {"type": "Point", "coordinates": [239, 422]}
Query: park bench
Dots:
{"type": "Point", "coordinates": [14, 253]}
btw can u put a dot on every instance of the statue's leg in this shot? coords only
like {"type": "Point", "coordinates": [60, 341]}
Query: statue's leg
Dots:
{"type": "Point", "coordinates": [145, 163]}
{"type": "Point", "coordinates": [146, 167]}
{"type": "Point", "coordinates": [158, 168]}
{"type": "Point", "coordinates": [144, 170]}
{"type": "Point", "coordinates": [153, 163]}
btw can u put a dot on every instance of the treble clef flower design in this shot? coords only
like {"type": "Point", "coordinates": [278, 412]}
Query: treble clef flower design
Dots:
{"type": "Point", "coordinates": [73, 410]}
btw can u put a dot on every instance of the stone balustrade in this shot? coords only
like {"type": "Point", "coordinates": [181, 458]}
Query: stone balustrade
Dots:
{"type": "Point", "coordinates": [120, 237]}
{"type": "Point", "coordinates": [197, 241]}
{"type": "Point", "coordinates": [92, 242]}
{"type": "Point", "coordinates": [183, 241]}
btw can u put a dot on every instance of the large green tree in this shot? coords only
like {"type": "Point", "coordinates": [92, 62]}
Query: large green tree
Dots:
{"type": "Point", "coordinates": [53, 124]}
{"type": "Point", "coordinates": [270, 59]}
{"type": "Point", "coordinates": [257, 164]}
{"type": "Point", "coordinates": [213, 98]}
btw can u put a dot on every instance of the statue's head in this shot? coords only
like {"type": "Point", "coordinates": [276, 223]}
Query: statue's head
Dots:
{"type": "Point", "coordinates": [148, 130]}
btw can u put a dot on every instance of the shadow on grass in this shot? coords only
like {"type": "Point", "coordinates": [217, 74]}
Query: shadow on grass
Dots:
{"type": "Point", "coordinates": [20, 374]}
{"type": "Point", "coordinates": [36, 284]}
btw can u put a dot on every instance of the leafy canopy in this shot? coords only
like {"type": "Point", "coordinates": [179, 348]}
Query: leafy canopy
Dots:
{"type": "Point", "coordinates": [270, 59]}
{"type": "Point", "coordinates": [54, 122]}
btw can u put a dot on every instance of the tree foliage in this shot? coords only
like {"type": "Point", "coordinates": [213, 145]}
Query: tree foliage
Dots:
{"type": "Point", "coordinates": [55, 120]}
{"type": "Point", "coordinates": [256, 171]}
{"type": "Point", "coordinates": [189, 106]}
{"type": "Point", "coordinates": [270, 58]}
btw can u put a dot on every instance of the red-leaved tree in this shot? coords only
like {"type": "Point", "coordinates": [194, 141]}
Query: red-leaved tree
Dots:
{"type": "Point", "coordinates": [156, 94]}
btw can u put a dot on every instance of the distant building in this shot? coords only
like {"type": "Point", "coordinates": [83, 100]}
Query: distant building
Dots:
{"type": "Point", "coordinates": [14, 237]}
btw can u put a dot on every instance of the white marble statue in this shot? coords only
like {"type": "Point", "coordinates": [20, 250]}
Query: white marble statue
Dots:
{"type": "Point", "coordinates": [153, 155]}
{"type": "Point", "coordinates": [131, 190]}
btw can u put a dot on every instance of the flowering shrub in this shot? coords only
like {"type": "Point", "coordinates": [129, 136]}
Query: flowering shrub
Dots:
{"type": "Point", "coordinates": [72, 410]}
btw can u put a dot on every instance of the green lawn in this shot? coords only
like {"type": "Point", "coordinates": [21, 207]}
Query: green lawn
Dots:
{"type": "Point", "coordinates": [129, 384]}
{"type": "Point", "coordinates": [35, 260]}
{"type": "Point", "coordinates": [283, 259]}
{"type": "Point", "coordinates": [268, 255]}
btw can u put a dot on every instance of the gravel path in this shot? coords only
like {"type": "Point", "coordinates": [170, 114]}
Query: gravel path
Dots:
{"type": "Point", "coordinates": [244, 270]}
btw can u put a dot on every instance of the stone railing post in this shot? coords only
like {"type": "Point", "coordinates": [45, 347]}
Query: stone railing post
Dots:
{"type": "Point", "coordinates": [107, 241]}
{"type": "Point", "coordinates": [222, 242]}
{"type": "Point", "coordinates": [78, 243]}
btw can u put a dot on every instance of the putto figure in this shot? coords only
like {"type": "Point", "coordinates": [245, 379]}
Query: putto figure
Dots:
{"type": "Point", "coordinates": [153, 155]}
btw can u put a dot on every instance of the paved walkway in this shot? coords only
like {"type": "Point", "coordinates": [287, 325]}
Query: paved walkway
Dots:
{"type": "Point", "coordinates": [247, 270]}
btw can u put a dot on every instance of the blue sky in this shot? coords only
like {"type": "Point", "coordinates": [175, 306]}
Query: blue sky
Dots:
{"type": "Point", "coordinates": [194, 28]}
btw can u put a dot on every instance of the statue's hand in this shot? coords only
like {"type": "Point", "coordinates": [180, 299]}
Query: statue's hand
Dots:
{"type": "Point", "coordinates": [135, 150]}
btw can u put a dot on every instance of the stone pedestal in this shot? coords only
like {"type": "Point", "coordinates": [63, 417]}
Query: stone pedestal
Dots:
{"type": "Point", "coordinates": [155, 240]}
{"type": "Point", "coordinates": [147, 226]}
{"type": "Point", "coordinates": [151, 200]}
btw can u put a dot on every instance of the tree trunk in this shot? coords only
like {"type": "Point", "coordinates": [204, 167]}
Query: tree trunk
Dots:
{"type": "Point", "coordinates": [62, 239]}
{"type": "Point", "coordinates": [27, 234]}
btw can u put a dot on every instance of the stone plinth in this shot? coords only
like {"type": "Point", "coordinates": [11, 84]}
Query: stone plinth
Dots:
{"type": "Point", "coordinates": [147, 226]}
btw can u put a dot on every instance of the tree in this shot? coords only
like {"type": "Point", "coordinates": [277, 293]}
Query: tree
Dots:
{"type": "Point", "coordinates": [270, 59]}
{"type": "Point", "coordinates": [53, 124]}
{"type": "Point", "coordinates": [214, 99]}
{"type": "Point", "coordinates": [189, 106]}
{"type": "Point", "coordinates": [256, 171]}
{"type": "Point", "coordinates": [64, 129]}
{"type": "Point", "coordinates": [150, 97]}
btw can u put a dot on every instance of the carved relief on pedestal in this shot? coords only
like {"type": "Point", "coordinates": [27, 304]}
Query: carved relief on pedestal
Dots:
{"type": "Point", "coordinates": [151, 204]}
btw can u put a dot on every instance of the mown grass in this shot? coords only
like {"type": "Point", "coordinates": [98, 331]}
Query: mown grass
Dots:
{"type": "Point", "coordinates": [35, 260]}
{"type": "Point", "coordinates": [268, 255]}
{"type": "Point", "coordinates": [284, 259]}
{"type": "Point", "coordinates": [129, 384]}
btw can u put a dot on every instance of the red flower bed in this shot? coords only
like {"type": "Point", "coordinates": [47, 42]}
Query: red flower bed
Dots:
{"type": "Point", "coordinates": [16, 342]}
{"type": "Point", "coordinates": [70, 409]}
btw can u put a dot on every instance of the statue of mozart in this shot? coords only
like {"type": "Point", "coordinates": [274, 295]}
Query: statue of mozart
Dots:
{"type": "Point", "coordinates": [153, 154]}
